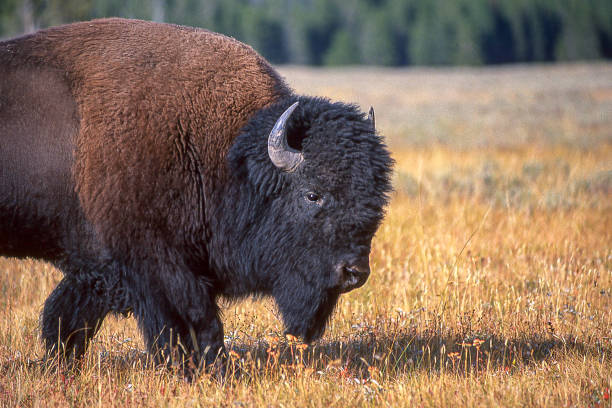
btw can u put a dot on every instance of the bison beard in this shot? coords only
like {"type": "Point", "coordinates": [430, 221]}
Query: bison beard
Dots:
{"type": "Point", "coordinates": [161, 168]}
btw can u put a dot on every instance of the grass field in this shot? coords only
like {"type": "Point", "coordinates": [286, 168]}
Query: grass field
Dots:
{"type": "Point", "coordinates": [492, 273]}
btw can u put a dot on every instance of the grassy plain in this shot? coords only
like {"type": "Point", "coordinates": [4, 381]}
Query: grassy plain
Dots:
{"type": "Point", "coordinates": [492, 273]}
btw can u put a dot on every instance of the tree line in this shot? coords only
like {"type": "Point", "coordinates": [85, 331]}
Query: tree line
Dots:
{"type": "Point", "coordinates": [372, 32]}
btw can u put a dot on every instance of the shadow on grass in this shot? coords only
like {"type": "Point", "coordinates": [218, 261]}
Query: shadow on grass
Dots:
{"type": "Point", "coordinates": [361, 355]}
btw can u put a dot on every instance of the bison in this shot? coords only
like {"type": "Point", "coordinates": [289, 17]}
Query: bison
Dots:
{"type": "Point", "coordinates": [162, 167]}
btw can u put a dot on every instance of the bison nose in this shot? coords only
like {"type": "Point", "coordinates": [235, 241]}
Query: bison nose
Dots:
{"type": "Point", "coordinates": [354, 275]}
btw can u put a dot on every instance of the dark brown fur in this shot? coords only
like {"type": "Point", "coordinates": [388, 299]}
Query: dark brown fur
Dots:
{"type": "Point", "coordinates": [157, 105]}
{"type": "Point", "coordinates": [125, 125]}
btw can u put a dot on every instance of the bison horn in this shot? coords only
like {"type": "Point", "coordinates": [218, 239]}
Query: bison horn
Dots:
{"type": "Point", "coordinates": [283, 156]}
{"type": "Point", "coordinates": [371, 118]}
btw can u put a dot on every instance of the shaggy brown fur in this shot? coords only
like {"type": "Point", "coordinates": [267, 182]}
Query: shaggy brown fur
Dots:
{"type": "Point", "coordinates": [154, 118]}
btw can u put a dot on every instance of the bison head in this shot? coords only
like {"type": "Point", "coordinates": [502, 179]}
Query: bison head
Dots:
{"type": "Point", "coordinates": [308, 182]}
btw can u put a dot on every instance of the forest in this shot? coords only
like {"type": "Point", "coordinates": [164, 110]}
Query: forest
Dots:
{"type": "Point", "coordinates": [363, 32]}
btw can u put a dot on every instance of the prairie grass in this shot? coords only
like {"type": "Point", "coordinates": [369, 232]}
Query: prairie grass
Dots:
{"type": "Point", "coordinates": [492, 273]}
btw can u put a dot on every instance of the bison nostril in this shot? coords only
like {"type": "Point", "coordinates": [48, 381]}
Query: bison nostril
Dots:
{"type": "Point", "coordinates": [357, 270]}
{"type": "Point", "coordinates": [354, 276]}
{"type": "Point", "coordinates": [351, 270]}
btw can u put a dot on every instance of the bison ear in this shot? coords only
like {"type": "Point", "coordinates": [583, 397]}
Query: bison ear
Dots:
{"type": "Point", "coordinates": [371, 118]}
{"type": "Point", "coordinates": [281, 154]}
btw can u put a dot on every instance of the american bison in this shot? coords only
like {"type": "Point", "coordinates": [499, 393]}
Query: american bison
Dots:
{"type": "Point", "coordinates": [162, 167]}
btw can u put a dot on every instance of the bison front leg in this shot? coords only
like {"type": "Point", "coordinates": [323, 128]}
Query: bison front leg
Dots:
{"type": "Point", "coordinates": [180, 323]}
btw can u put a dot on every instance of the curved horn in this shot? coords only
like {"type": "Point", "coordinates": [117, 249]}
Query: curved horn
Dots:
{"type": "Point", "coordinates": [371, 118]}
{"type": "Point", "coordinates": [283, 156]}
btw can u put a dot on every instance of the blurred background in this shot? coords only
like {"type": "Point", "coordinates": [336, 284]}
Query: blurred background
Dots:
{"type": "Point", "coordinates": [450, 79]}
{"type": "Point", "coordinates": [369, 32]}
{"type": "Point", "coordinates": [499, 117]}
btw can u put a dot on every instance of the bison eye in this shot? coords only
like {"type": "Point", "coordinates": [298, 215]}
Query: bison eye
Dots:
{"type": "Point", "coordinates": [314, 197]}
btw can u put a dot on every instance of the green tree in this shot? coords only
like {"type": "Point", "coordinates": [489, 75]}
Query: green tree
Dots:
{"type": "Point", "coordinates": [433, 37]}
{"type": "Point", "coordinates": [381, 32]}
{"type": "Point", "coordinates": [343, 50]}
{"type": "Point", "coordinates": [311, 31]}
{"type": "Point", "coordinates": [266, 34]}
{"type": "Point", "coordinates": [578, 40]}
{"type": "Point", "coordinates": [377, 40]}
{"type": "Point", "coordinates": [9, 24]}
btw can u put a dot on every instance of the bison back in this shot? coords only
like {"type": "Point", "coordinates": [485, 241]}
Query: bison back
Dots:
{"type": "Point", "coordinates": [158, 107]}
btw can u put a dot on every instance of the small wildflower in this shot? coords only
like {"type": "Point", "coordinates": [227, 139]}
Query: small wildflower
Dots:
{"type": "Point", "coordinates": [477, 342]}
{"type": "Point", "coordinates": [272, 340]}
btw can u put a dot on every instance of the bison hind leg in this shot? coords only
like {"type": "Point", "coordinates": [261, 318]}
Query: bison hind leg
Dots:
{"type": "Point", "coordinates": [74, 312]}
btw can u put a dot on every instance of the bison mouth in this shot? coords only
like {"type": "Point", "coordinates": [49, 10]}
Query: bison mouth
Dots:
{"type": "Point", "coordinates": [309, 321]}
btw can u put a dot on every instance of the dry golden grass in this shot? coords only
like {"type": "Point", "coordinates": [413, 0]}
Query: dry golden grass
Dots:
{"type": "Point", "coordinates": [492, 273]}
